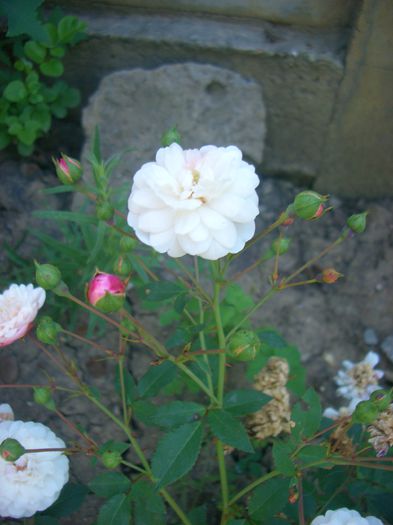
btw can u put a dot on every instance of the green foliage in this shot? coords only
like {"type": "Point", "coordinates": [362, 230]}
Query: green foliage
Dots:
{"type": "Point", "coordinates": [268, 499]}
{"type": "Point", "coordinates": [69, 501]}
{"type": "Point", "coordinates": [32, 50]}
{"type": "Point", "coordinates": [115, 511]}
{"type": "Point", "coordinates": [109, 484]}
{"type": "Point", "coordinates": [243, 402]}
{"type": "Point", "coordinates": [170, 415]}
{"type": "Point", "coordinates": [149, 508]}
{"type": "Point", "coordinates": [177, 453]}
{"type": "Point", "coordinates": [229, 430]}
{"type": "Point", "coordinates": [156, 378]}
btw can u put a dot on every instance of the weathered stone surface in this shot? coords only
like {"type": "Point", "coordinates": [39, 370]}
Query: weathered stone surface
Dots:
{"type": "Point", "coordinates": [358, 157]}
{"type": "Point", "coordinates": [303, 12]}
{"type": "Point", "coordinates": [209, 105]}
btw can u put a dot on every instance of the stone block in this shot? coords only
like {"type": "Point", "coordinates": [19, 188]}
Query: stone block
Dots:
{"type": "Point", "coordinates": [209, 105]}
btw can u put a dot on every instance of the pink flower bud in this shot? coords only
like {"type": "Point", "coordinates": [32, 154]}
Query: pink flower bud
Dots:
{"type": "Point", "coordinates": [68, 169]}
{"type": "Point", "coordinates": [106, 292]}
{"type": "Point", "coordinates": [330, 275]}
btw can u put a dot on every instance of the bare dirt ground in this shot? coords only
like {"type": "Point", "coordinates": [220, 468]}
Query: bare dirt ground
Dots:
{"type": "Point", "coordinates": [326, 322]}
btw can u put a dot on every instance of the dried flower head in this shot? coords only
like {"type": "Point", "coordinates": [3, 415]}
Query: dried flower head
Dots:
{"type": "Point", "coordinates": [275, 416]}
{"type": "Point", "coordinates": [381, 432]}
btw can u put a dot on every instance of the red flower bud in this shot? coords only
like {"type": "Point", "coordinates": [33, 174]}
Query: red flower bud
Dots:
{"type": "Point", "coordinates": [106, 292]}
{"type": "Point", "coordinates": [330, 276]}
{"type": "Point", "coordinates": [68, 169]}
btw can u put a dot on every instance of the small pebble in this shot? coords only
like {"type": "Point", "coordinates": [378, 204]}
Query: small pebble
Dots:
{"type": "Point", "coordinates": [370, 337]}
{"type": "Point", "coordinates": [387, 347]}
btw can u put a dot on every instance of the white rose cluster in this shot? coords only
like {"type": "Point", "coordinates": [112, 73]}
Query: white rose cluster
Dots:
{"type": "Point", "coordinates": [197, 202]}
{"type": "Point", "coordinates": [19, 305]}
{"type": "Point", "coordinates": [345, 516]}
{"type": "Point", "coordinates": [34, 481]}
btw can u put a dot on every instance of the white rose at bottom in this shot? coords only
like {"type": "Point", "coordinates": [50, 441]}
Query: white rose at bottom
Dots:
{"type": "Point", "coordinates": [345, 517]}
{"type": "Point", "coordinates": [34, 481]}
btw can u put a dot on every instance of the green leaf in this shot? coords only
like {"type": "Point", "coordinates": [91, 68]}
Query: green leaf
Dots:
{"type": "Point", "coordinates": [5, 139]}
{"type": "Point", "coordinates": [171, 415]}
{"type": "Point", "coordinates": [176, 453]}
{"type": "Point", "coordinates": [35, 51]}
{"type": "Point", "coordinates": [15, 91]}
{"type": "Point", "coordinates": [71, 97]}
{"type": "Point", "coordinates": [108, 484]}
{"type": "Point", "coordinates": [40, 519]}
{"type": "Point", "coordinates": [116, 511]}
{"type": "Point", "coordinates": [156, 378]}
{"type": "Point", "coordinates": [282, 451]}
{"type": "Point", "coordinates": [229, 430]}
{"type": "Point", "coordinates": [308, 420]}
{"type": "Point", "coordinates": [52, 68]}
{"type": "Point", "coordinates": [148, 504]}
{"type": "Point", "coordinates": [54, 215]}
{"type": "Point", "coordinates": [242, 402]}
{"type": "Point", "coordinates": [162, 291]}
{"type": "Point", "coordinates": [236, 522]}
{"type": "Point", "coordinates": [69, 501]}
{"type": "Point", "coordinates": [68, 27]}
{"type": "Point", "coordinates": [28, 23]}
{"type": "Point", "coordinates": [269, 498]}
{"type": "Point", "coordinates": [57, 52]}
{"type": "Point", "coordinates": [312, 453]}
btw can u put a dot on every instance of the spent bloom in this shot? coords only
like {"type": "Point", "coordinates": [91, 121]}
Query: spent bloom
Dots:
{"type": "Point", "coordinates": [19, 305]}
{"type": "Point", "coordinates": [345, 516]}
{"type": "Point", "coordinates": [381, 432]}
{"type": "Point", "coordinates": [34, 481]}
{"type": "Point", "coordinates": [197, 202]}
{"type": "Point", "coordinates": [359, 380]}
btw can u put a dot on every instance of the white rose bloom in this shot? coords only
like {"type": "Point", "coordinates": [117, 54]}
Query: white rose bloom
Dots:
{"type": "Point", "coordinates": [345, 517]}
{"type": "Point", "coordinates": [197, 202]}
{"type": "Point", "coordinates": [359, 380]}
{"type": "Point", "coordinates": [19, 305]}
{"type": "Point", "coordinates": [34, 481]}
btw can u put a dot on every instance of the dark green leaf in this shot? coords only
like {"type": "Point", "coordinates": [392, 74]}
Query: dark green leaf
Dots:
{"type": "Point", "coordinates": [54, 215]}
{"type": "Point", "coordinates": [68, 27]}
{"type": "Point", "coordinates": [242, 402]}
{"type": "Point", "coordinates": [149, 507]}
{"type": "Point", "coordinates": [312, 453]}
{"type": "Point", "coordinates": [156, 378]}
{"type": "Point", "coordinates": [307, 420]}
{"type": "Point", "coordinates": [28, 23]}
{"type": "Point", "coordinates": [269, 498]}
{"type": "Point", "coordinates": [282, 451]}
{"type": "Point", "coordinates": [69, 501]}
{"type": "Point", "coordinates": [108, 484]}
{"type": "Point", "coordinates": [170, 415]}
{"type": "Point", "coordinates": [162, 291]}
{"type": "Point", "coordinates": [176, 453]}
{"type": "Point", "coordinates": [41, 519]}
{"type": "Point", "coordinates": [116, 511]}
{"type": "Point", "coordinates": [229, 430]}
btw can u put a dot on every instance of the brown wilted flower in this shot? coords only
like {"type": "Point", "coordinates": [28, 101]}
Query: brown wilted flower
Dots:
{"type": "Point", "coordinates": [275, 416]}
{"type": "Point", "coordinates": [340, 442]}
{"type": "Point", "coordinates": [381, 432]}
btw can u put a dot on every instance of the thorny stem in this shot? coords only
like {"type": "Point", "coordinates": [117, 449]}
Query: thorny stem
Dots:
{"type": "Point", "coordinates": [259, 261]}
{"type": "Point", "coordinates": [326, 250]}
{"type": "Point", "coordinates": [198, 287]}
{"type": "Point", "coordinates": [301, 500]}
{"type": "Point", "coordinates": [89, 342]}
{"type": "Point", "coordinates": [75, 429]}
{"type": "Point", "coordinates": [220, 388]}
{"type": "Point", "coordinates": [123, 390]}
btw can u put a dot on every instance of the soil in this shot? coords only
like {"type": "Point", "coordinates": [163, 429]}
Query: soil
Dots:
{"type": "Point", "coordinates": [326, 322]}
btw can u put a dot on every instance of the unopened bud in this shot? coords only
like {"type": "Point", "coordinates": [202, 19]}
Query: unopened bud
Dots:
{"type": "Point", "coordinates": [47, 276]}
{"type": "Point", "coordinates": [122, 266]}
{"type": "Point", "coordinates": [381, 399]}
{"type": "Point", "coordinates": [43, 396]}
{"type": "Point", "coordinates": [170, 136]}
{"type": "Point", "coordinates": [330, 275]}
{"type": "Point", "coordinates": [358, 222]}
{"type": "Point", "coordinates": [111, 458]}
{"type": "Point", "coordinates": [309, 205]}
{"type": "Point", "coordinates": [47, 330]}
{"type": "Point", "coordinates": [127, 244]}
{"type": "Point", "coordinates": [68, 170]}
{"type": "Point", "coordinates": [11, 450]}
{"type": "Point", "coordinates": [244, 345]}
{"type": "Point", "coordinates": [104, 211]}
{"type": "Point", "coordinates": [6, 412]}
{"type": "Point", "coordinates": [106, 292]}
{"type": "Point", "coordinates": [281, 245]}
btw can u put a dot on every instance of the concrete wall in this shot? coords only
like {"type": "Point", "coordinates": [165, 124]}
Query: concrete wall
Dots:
{"type": "Point", "coordinates": [323, 66]}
